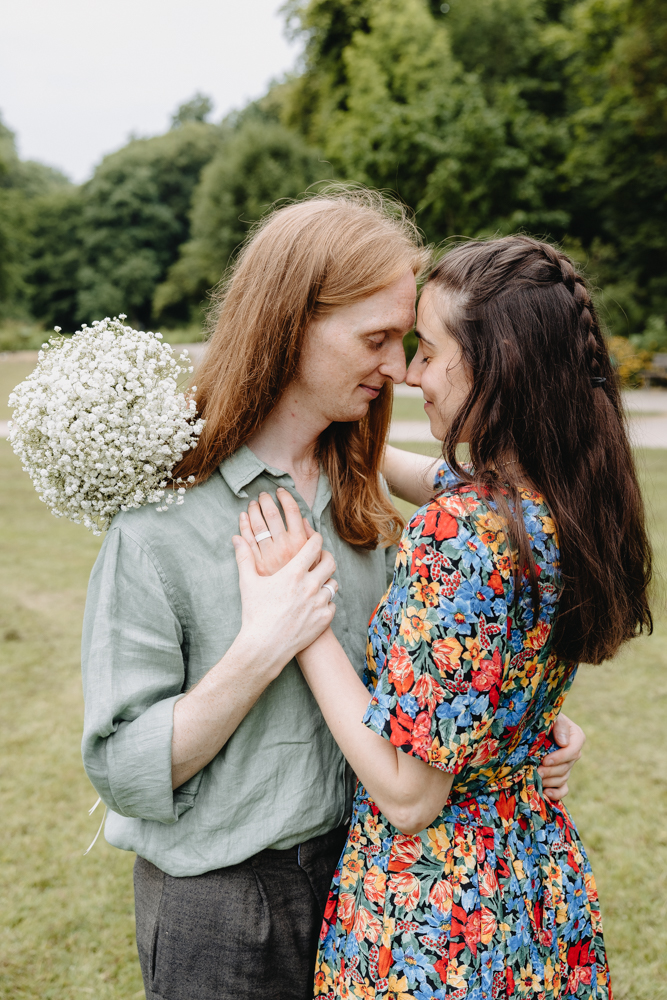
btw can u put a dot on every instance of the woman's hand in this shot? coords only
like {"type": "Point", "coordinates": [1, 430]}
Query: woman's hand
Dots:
{"type": "Point", "coordinates": [282, 613]}
{"type": "Point", "coordinates": [271, 554]}
{"type": "Point", "coordinates": [556, 767]}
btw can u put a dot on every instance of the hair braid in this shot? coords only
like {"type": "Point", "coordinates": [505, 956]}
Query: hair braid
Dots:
{"type": "Point", "coordinates": [592, 345]}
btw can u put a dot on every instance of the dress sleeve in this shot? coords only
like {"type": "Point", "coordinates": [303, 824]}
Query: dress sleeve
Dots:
{"type": "Point", "coordinates": [439, 685]}
{"type": "Point", "coordinates": [133, 673]}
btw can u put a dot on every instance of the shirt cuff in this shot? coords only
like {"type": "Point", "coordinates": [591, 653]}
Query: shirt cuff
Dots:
{"type": "Point", "coordinates": [139, 766]}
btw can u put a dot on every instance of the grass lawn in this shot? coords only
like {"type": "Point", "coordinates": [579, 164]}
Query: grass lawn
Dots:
{"type": "Point", "coordinates": [66, 925]}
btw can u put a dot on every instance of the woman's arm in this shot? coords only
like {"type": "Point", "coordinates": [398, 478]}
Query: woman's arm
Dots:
{"type": "Point", "coordinates": [280, 613]}
{"type": "Point", "coordinates": [410, 476]}
{"type": "Point", "coordinates": [409, 792]}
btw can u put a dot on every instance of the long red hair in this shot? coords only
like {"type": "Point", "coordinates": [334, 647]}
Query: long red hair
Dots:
{"type": "Point", "coordinates": [299, 262]}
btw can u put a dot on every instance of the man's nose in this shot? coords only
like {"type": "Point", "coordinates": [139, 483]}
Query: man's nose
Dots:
{"type": "Point", "coordinates": [393, 363]}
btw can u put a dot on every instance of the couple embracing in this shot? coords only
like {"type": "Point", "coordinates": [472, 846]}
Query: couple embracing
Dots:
{"type": "Point", "coordinates": [331, 792]}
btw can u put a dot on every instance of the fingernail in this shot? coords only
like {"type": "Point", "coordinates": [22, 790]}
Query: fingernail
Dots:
{"type": "Point", "coordinates": [243, 515]}
{"type": "Point", "coordinates": [236, 541]}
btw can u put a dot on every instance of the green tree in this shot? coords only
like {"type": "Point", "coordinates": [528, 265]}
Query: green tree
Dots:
{"type": "Point", "coordinates": [21, 182]}
{"type": "Point", "coordinates": [258, 164]}
{"type": "Point", "coordinates": [195, 110]}
{"type": "Point", "coordinates": [615, 57]}
{"type": "Point", "coordinates": [55, 257]}
{"type": "Point", "coordinates": [136, 216]}
{"type": "Point", "coordinates": [388, 98]}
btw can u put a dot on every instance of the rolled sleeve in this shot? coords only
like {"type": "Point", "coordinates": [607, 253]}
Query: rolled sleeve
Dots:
{"type": "Point", "coordinates": [133, 673]}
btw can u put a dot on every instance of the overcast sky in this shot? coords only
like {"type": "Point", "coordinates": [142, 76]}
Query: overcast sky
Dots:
{"type": "Point", "coordinates": [78, 76]}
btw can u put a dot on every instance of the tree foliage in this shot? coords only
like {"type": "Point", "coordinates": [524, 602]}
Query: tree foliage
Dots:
{"type": "Point", "coordinates": [136, 216]}
{"type": "Point", "coordinates": [547, 116]}
{"type": "Point", "coordinates": [259, 163]}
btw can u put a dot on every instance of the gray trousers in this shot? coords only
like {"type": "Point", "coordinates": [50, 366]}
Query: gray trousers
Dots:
{"type": "Point", "coordinates": [243, 932]}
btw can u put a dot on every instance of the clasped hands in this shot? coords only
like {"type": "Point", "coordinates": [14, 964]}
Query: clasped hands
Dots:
{"type": "Point", "coordinates": [275, 552]}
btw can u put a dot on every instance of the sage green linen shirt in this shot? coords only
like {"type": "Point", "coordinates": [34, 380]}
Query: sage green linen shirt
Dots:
{"type": "Point", "coordinates": [163, 607]}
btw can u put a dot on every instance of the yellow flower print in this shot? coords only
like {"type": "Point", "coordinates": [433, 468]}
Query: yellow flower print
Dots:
{"type": "Point", "coordinates": [548, 974]}
{"type": "Point", "coordinates": [403, 552]}
{"type": "Point", "coordinates": [415, 626]}
{"type": "Point", "coordinates": [353, 865]}
{"type": "Point", "coordinates": [465, 849]}
{"type": "Point", "coordinates": [426, 592]}
{"type": "Point", "coordinates": [490, 521]}
{"type": "Point", "coordinates": [373, 828]}
{"type": "Point", "coordinates": [548, 525]}
{"type": "Point", "coordinates": [517, 865]}
{"type": "Point", "coordinates": [364, 991]}
{"type": "Point", "coordinates": [439, 841]}
{"type": "Point", "coordinates": [388, 931]}
{"type": "Point", "coordinates": [397, 988]}
{"type": "Point", "coordinates": [439, 755]}
{"type": "Point", "coordinates": [529, 982]}
{"type": "Point", "coordinates": [457, 973]}
{"type": "Point", "coordinates": [474, 653]}
{"type": "Point", "coordinates": [323, 980]}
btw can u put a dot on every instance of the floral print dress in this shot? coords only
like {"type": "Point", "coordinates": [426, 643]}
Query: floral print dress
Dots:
{"type": "Point", "coordinates": [497, 898]}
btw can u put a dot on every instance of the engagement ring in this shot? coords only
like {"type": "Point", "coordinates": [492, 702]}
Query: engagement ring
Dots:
{"type": "Point", "coordinates": [262, 535]}
{"type": "Point", "coordinates": [332, 590]}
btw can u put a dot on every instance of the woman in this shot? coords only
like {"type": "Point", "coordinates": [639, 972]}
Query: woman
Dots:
{"type": "Point", "coordinates": [459, 878]}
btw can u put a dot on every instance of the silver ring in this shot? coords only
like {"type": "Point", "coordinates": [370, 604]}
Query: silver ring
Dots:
{"type": "Point", "coordinates": [332, 590]}
{"type": "Point", "coordinates": [262, 535]}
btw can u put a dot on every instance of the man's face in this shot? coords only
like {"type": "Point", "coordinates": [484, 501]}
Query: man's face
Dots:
{"type": "Point", "coordinates": [351, 352]}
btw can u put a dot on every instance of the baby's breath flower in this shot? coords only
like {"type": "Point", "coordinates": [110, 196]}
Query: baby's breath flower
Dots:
{"type": "Point", "coordinates": [99, 424]}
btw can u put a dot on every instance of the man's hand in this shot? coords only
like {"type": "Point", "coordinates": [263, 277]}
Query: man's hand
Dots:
{"type": "Point", "coordinates": [555, 768]}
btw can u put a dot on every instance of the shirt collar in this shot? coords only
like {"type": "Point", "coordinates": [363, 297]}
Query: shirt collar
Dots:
{"type": "Point", "coordinates": [243, 466]}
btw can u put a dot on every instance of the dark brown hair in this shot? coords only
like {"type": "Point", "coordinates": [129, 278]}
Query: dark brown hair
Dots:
{"type": "Point", "coordinates": [544, 395]}
{"type": "Point", "coordinates": [301, 261]}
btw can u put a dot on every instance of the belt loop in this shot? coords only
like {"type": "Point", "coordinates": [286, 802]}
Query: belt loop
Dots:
{"type": "Point", "coordinates": [298, 855]}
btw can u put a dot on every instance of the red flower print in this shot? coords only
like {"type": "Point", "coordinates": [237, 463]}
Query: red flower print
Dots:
{"type": "Point", "coordinates": [488, 924]}
{"type": "Point", "coordinates": [427, 691]}
{"type": "Point", "coordinates": [496, 583]}
{"type": "Point", "coordinates": [367, 925]}
{"type": "Point", "coordinates": [422, 740]}
{"type": "Point", "coordinates": [441, 968]}
{"type": "Point", "coordinates": [441, 896]}
{"type": "Point", "coordinates": [447, 654]}
{"type": "Point", "coordinates": [488, 883]}
{"type": "Point", "coordinates": [407, 889]}
{"type": "Point", "coordinates": [384, 961]}
{"type": "Point", "coordinates": [489, 673]}
{"type": "Point", "coordinates": [346, 910]}
{"type": "Point", "coordinates": [401, 727]}
{"type": "Point", "coordinates": [578, 975]}
{"type": "Point", "coordinates": [438, 523]}
{"type": "Point", "coordinates": [404, 853]}
{"type": "Point", "coordinates": [375, 884]}
{"type": "Point", "coordinates": [401, 673]}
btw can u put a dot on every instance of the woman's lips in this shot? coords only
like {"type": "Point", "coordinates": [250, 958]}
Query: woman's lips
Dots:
{"type": "Point", "coordinates": [372, 390]}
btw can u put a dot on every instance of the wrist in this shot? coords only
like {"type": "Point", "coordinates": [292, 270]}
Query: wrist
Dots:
{"type": "Point", "coordinates": [258, 656]}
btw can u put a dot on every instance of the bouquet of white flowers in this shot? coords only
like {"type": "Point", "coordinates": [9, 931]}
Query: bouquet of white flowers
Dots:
{"type": "Point", "coordinates": [100, 424]}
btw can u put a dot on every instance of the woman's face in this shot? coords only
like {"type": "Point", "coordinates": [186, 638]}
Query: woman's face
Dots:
{"type": "Point", "coordinates": [438, 367]}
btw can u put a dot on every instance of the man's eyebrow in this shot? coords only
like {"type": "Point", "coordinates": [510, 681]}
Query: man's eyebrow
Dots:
{"type": "Point", "coordinates": [424, 340]}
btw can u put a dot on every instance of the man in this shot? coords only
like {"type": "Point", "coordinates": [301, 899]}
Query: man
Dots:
{"type": "Point", "coordinates": [206, 745]}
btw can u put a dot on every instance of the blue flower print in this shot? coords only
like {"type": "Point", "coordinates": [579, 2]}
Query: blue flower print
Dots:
{"type": "Point", "coordinates": [456, 614]}
{"type": "Point", "coordinates": [413, 965]}
{"type": "Point", "coordinates": [473, 551]}
{"type": "Point", "coordinates": [377, 712]}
